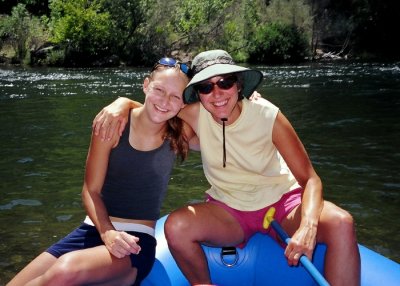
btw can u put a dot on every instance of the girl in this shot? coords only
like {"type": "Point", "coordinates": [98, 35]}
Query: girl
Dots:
{"type": "Point", "coordinates": [125, 182]}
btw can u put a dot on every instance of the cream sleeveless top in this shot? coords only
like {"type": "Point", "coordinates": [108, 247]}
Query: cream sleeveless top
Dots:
{"type": "Point", "coordinates": [255, 175]}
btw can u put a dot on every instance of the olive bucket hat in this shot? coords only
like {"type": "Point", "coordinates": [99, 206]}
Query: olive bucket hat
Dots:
{"type": "Point", "coordinates": [218, 62]}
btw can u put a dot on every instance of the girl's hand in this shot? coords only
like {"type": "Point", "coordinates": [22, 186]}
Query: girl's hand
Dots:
{"type": "Point", "coordinates": [120, 243]}
{"type": "Point", "coordinates": [255, 96]}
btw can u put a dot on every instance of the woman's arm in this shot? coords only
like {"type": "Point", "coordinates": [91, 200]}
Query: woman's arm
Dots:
{"type": "Point", "coordinates": [194, 142]}
{"type": "Point", "coordinates": [295, 155]}
{"type": "Point", "coordinates": [113, 118]}
{"type": "Point", "coordinates": [118, 243]}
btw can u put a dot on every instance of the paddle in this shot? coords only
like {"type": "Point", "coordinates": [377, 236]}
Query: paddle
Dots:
{"type": "Point", "coordinates": [269, 220]}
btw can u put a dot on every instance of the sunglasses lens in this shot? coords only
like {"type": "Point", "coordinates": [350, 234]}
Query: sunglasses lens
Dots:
{"type": "Point", "coordinates": [223, 83]}
{"type": "Point", "coordinates": [167, 62]}
{"type": "Point", "coordinates": [170, 62]}
{"type": "Point", "coordinates": [226, 83]}
{"type": "Point", "coordinates": [205, 88]}
{"type": "Point", "coordinates": [184, 68]}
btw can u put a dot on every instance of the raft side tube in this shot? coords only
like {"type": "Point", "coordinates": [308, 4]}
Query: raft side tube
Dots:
{"type": "Point", "coordinates": [262, 262]}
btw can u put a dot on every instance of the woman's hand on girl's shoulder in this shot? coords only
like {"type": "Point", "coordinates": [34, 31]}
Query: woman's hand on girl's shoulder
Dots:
{"type": "Point", "coordinates": [113, 118]}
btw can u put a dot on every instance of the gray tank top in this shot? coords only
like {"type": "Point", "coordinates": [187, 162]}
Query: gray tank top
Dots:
{"type": "Point", "coordinates": [136, 181]}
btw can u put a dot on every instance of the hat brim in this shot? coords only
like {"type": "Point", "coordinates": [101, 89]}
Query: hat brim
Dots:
{"type": "Point", "coordinates": [251, 79]}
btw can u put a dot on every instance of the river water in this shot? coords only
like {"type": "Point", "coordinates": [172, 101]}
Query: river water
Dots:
{"type": "Point", "coordinates": [347, 115]}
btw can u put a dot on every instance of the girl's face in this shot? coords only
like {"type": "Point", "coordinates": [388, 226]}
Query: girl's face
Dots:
{"type": "Point", "coordinates": [219, 96]}
{"type": "Point", "coordinates": [164, 94]}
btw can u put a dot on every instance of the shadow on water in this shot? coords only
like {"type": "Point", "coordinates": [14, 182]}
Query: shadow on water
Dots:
{"type": "Point", "coordinates": [346, 114]}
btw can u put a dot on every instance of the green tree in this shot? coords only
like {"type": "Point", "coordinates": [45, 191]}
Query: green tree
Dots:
{"type": "Point", "coordinates": [241, 24]}
{"type": "Point", "coordinates": [23, 32]}
{"type": "Point", "coordinates": [277, 43]}
{"type": "Point", "coordinates": [82, 28]}
{"type": "Point", "coordinates": [296, 13]}
{"type": "Point", "coordinates": [16, 29]}
{"type": "Point", "coordinates": [130, 32]}
{"type": "Point", "coordinates": [200, 23]}
{"type": "Point", "coordinates": [35, 7]}
{"type": "Point", "coordinates": [139, 31]}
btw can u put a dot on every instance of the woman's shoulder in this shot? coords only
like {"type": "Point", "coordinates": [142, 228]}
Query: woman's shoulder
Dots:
{"type": "Point", "coordinates": [260, 102]}
{"type": "Point", "coordinates": [261, 106]}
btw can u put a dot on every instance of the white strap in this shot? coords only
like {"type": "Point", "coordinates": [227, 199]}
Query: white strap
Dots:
{"type": "Point", "coordinates": [126, 226]}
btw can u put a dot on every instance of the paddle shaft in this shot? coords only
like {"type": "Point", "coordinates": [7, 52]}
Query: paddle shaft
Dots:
{"type": "Point", "coordinates": [303, 259]}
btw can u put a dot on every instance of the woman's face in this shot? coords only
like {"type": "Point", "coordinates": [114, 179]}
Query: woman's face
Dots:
{"type": "Point", "coordinates": [219, 95]}
{"type": "Point", "coordinates": [164, 93]}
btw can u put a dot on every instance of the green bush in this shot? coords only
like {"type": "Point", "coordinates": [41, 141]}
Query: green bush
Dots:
{"type": "Point", "coordinates": [82, 28]}
{"type": "Point", "coordinates": [55, 58]}
{"type": "Point", "coordinates": [277, 43]}
{"type": "Point", "coordinates": [23, 32]}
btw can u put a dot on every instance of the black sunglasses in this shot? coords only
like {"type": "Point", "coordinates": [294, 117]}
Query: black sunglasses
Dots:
{"type": "Point", "coordinates": [224, 83]}
{"type": "Point", "coordinates": [170, 62]}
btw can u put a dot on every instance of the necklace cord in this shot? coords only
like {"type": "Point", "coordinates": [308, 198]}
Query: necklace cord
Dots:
{"type": "Point", "coordinates": [223, 142]}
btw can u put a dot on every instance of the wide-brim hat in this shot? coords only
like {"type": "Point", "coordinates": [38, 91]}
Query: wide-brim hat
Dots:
{"type": "Point", "coordinates": [218, 62]}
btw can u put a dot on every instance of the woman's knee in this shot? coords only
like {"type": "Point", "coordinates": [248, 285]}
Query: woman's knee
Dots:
{"type": "Point", "coordinates": [176, 224]}
{"type": "Point", "coordinates": [337, 222]}
{"type": "Point", "coordinates": [342, 220]}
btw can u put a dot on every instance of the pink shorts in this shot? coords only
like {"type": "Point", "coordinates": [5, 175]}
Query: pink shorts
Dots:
{"type": "Point", "coordinates": [252, 221]}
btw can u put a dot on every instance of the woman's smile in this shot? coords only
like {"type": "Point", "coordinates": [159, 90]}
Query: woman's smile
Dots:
{"type": "Point", "coordinates": [220, 103]}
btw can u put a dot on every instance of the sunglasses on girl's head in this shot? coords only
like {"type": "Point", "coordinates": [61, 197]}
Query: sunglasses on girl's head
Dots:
{"type": "Point", "coordinates": [170, 62]}
{"type": "Point", "coordinates": [224, 83]}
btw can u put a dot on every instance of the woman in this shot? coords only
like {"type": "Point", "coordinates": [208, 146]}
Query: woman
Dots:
{"type": "Point", "coordinates": [253, 160]}
{"type": "Point", "coordinates": [125, 182]}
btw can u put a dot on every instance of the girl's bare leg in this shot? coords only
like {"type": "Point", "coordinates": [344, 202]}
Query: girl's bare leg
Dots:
{"type": "Point", "coordinates": [89, 266]}
{"type": "Point", "coordinates": [35, 268]}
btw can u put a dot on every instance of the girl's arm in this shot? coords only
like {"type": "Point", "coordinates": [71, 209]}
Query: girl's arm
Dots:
{"type": "Point", "coordinates": [118, 243]}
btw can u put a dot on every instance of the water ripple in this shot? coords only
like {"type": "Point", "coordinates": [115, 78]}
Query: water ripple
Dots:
{"type": "Point", "coordinates": [22, 202]}
{"type": "Point", "coordinates": [25, 160]}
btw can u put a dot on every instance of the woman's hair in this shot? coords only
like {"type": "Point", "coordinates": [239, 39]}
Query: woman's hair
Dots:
{"type": "Point", "coordinates": [239, 85]}
{"type": "Point", "coordinates": [175, 133]}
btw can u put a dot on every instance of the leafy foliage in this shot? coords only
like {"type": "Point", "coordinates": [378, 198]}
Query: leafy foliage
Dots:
{"type": "Point", "coordinates": [200, 23]}
{"type": "Point", "coordinates": [276, 43]}
{"type": "Point", "coordinates": [137, 32]}
{"type": "Point", "coordinates": [23, 32]}
{"type": "Point", "coordinates": [128, 27]}
{"type": "Point", "coordinates": [82, 28]}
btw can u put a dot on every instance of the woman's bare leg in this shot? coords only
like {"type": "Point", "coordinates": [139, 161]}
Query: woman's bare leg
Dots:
{"type": "Point", "coordinates": [204, 223]}
{"type": "Point", "coordinates": [336, 230]}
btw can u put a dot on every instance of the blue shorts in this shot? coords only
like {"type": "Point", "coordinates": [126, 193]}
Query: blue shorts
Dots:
{"type": "Point", "coordinates": [87, 236]}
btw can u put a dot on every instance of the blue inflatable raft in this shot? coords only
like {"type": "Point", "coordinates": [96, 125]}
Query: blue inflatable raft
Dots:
{"type": "Point", "coordinates": [262, 262]}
